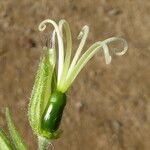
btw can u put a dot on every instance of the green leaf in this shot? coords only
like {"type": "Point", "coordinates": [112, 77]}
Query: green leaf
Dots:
{"type": "Point", "coordinates": [42, 90]}
{"type": "Point", "coordinates": [17, 140]}
{"type": "Point", "coordinates": [4, 141]}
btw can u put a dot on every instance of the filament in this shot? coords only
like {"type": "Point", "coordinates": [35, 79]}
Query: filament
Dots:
{"type": "Point", "coordinates": [113, 39]}
{"type": "Point", "coordinates": [90, 53]}
{"type": "Point", "coordinates": [83, 36]}
{"type": "Point", "coordinates": [65, 25]}
{"type": "Point", "coordinates": [53, 39]}
{"type": "Point", "coordinates": [42, 27]}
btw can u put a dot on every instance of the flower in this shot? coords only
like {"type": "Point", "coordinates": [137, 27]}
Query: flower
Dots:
{"type": "Point", "coordinates": [68, 70]}
{"type": "Point", "coordinates": [48, 98]}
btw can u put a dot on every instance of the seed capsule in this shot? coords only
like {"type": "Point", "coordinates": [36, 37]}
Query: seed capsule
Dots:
{"type": "Point", "coordinates": [53, 113]}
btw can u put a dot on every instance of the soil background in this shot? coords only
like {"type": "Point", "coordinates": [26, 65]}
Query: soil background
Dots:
{"type": "Point", "coordinates": [108, 106]}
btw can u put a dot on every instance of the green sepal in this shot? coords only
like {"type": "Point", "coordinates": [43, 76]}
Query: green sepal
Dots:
{"type": "Point", "coordinates": [4, 141]}
{"type": "Point", "coordinates": [51, 135]}
{"type": "Point", "coordinates": [42, 89]}
{"type": "Point", "coordinates": [16, 138]}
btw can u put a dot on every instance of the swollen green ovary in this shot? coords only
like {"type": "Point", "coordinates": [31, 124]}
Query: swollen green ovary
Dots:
{"type": "Point", "coordinates": [52, 116]}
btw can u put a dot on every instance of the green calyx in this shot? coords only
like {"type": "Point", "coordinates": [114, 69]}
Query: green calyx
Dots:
{"type": "Point", "coordinates": [42, 90]}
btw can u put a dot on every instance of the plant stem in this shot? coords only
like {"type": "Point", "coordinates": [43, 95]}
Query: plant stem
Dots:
{"type": "Point", "coordinates": [42, 143]}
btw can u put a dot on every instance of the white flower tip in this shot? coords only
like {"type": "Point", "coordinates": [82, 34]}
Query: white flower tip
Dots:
{"type": "Point", "coordinates": [122, 52]}
{"type": "Point", "coordinates": [108, 59]}
{"type": "Point", "coordinates": [84, 30]}
{"type": "Point", "coordinates": [42, 26]}
{"type": "Point", "coordinates": [53, 39]}
{"type": "Point", "coordinates": [118, 52]}
{"type": "Point", "coordinates": [106, 54]}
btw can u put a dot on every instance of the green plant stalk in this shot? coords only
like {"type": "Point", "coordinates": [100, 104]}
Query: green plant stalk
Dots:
{"type": "Point", "coordinates": [43, 143]}
{"type": "Point", "coordinates": [17, 139]}
{"type": "Point", "coordinates": [4, 141]}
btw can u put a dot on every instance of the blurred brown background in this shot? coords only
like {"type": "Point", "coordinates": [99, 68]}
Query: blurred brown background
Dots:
{"type": "Point", "coordinates": [108, 105]}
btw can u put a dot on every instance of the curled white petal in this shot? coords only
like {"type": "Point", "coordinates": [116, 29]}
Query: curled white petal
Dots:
{"type": "Point", "coordinates": [42, 27]}
{"type": "Point", "coordinates": [67, 70]}
{"type": "Point", "coordinates": [83, 36]}
{"type": "Point", "coordinates": [53, 40]}
{"type": "Point", "coordinates": [63, 24]}
{"type": "Point", "coordinates": [89, 54]}
{"type": "Point", "coordinates": [106, 53]}
{"type": "Point", "coordinates": [113, 39]}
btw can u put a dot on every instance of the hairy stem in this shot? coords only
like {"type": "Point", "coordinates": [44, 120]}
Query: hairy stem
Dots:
{"type": "Point", "coordinates": [42, 143]}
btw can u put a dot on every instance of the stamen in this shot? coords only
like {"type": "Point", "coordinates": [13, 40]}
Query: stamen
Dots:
{"type": "Point", "coordinates": [113, 39]}
{"type": "Point", "coordinates": [66, 74]}
{"type": "Point", "coordinates": [65, 25]}
{"type": "Point", "coordinates": [81, 63]}
{"type": "Point", "coordinates": [83, 36]}
{"type": "Point", "coordinates": [50, 41]}
{"type": "Point", "coordinates": [42, 27]}
{"type": "Point", "coordinates": [53, 39]}
{"type": "Point", "coordinates": [52, 50]}
{"type": "Point", "coordinates": [106, 54]}
{"type": "Point", "coordinates": [90, 53]}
